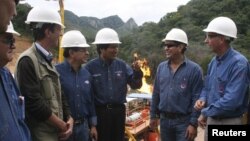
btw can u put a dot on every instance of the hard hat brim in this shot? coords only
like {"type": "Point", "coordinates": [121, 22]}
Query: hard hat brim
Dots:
{"type": "Point", "coordinates": [78, 46]}
{"type": "Point", "coordinates": [95, 43]}
{"type": "Point", "coordinates": [28, 22]}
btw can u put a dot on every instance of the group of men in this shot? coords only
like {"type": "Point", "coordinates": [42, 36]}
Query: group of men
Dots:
{"type": "Point", "coordinates": [61, 101]}
{"type": "Point", "coordinates": [73, 102]}
{"type": "Point", "coordinates": [180, 98]}
{"type": "Point", "coordinates": [12, 125]}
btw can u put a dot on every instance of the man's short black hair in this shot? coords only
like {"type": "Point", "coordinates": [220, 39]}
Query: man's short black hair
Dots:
{"type": "Point", "coordinates": [66, 51]}
{"type": "Point", "coordinates": [101, 46]}
{"type": "Point", "coordinates": [38, 29]}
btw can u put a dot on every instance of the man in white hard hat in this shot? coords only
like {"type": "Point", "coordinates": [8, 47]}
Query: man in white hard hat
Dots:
{"type": "Point", "coordinates": [177, 86]}
{"type": "Point", "coordinates": [7, 12]}
{"type": "Point", "coordinates": [48, 115]}
{"type": "Point", "coordinates": [224, 97]}
{"type": "Point", "coordinates": [76, 84]}
{"type": "Point", "coordinates": [12, 125]}
{"type": "Point", "coordinates": [111, 76]}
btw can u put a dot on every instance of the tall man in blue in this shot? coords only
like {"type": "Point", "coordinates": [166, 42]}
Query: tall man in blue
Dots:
{"type": "Point", "coordinates": [177, 86]}
{"type": "Point", "coordinates": [111, 76]}
{"type": "Point", "coordinates": [76, 84]}
{"type": "Point", "coordinates": [224, 97]}
{"type": "Point", "coordinates": [12, 126]}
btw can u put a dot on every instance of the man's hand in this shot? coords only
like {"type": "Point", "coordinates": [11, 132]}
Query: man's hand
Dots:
{"type": "Point", "coordinates": [153, 125]}
{"type": "Point", "coordinates": [199, 104]}
{"type": "Point", "coordinates": [202, 121]}
{"type": "Point", "coordinates": [64, 135]}
{"type": "Point", "coordinates": [191, 133]}
{"type": "Point", "coordinates": [136, 65]}
{"type": "Point", "coordinates": [58, 123]}
{"type": "Point", "coordinates": [93, 133]}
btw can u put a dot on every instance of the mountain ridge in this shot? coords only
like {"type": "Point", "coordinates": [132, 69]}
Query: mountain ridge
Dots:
{"type": "Point", "coordinates": [90, 25]}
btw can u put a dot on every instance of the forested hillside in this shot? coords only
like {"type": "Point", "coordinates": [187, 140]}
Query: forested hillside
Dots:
{"type": "Point", "coordinates": [192, 17]}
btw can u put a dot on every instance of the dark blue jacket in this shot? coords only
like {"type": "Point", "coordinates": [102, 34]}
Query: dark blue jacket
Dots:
{"type": "Point", "coordinates": [12, 125]}
{"type": "Point", "coordinates": [77, 87]}
{"type": "Point", "coordinates": [110, 81]}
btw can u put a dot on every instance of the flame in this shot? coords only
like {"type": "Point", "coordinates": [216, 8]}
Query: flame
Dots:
{"type": "Point", "coordinates": [146, 88]}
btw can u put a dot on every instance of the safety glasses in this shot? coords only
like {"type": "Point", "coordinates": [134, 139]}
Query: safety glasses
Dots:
{"type": "Point", "coordinates": [170, 45]}
{"type": "Point", "coordinates": [9, 41]}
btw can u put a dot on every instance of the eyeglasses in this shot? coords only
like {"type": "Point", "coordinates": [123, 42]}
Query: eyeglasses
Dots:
{"type": "Point", "coordinates": [82, 50]}
{"type": "Point", "coordinates": [9, 41]}
{"type": "Point", "coordinates": [170, 45]}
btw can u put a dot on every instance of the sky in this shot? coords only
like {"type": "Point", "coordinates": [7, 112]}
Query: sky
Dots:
{"type": "Point", "coordinates": [140, 10]}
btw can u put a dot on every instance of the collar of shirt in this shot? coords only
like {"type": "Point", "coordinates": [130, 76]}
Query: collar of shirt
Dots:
{"type": "Point", "coordinates": [4, 71]}
{"type": "Point", "coordinates": [68, 66]}
{"type": "Point", "coordinates": [47, 55]}
{"type": "Point", "coordinates": [224, 56]}
{"type": "Point", "coordinates": [104, 63]}
{"type": "Point", "coordinates": [184, 62]}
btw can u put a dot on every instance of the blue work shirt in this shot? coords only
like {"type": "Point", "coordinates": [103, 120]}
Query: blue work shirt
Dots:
{"type": "Point", "coordinates": [177, 92]}
{"type": "Point", "coordinates": [226, 84]}
{"type": "Point", "coordinates": [110, 81]}
{"type": "Point", "coordinates": [12, 125]}
{"type": "Point", "coordinates": [77, 88]}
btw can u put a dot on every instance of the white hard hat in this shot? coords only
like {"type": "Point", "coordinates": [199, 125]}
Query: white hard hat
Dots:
{"type": "Point", "coordinates": [74, 38]}
{"type": "Point", "coordinates": [222, 25]}
{"type": "Point", "coordinates": [44, 15]}
{"type": "Point", "coordinates": [106, 36]}
{"type": "Point", "coordinates": [11, 29]}
{"type": "Point", "coordinates": [176, 34]}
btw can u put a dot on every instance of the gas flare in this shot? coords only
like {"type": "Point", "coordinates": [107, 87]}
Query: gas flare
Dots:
{"type": "Point", "coordinates": [146, 88]}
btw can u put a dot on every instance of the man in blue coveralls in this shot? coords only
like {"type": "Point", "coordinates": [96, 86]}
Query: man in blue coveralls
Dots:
{"type": "Point", "coordinates": [12, 125]}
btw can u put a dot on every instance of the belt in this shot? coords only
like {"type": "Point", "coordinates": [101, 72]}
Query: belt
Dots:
{"type": "Point", "coordinates": [110, 106]}
{"type": "Point", "coordinates": [79, 121]}
{"type": "Point", "coordinates": [171, 115]}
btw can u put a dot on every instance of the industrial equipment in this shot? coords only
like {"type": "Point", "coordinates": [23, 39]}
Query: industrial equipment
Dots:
{"type": "Point", "coordinates": [137, 115]}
